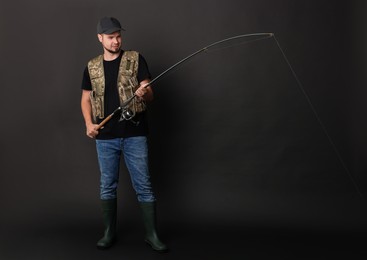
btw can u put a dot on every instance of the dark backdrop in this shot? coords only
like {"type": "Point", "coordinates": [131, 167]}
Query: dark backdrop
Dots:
{"type": "Point", "coordinates": [242, 163]}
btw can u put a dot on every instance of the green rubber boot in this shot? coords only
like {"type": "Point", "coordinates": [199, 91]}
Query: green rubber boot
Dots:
{"type": "Point", "coordinates": [149, 219]}
{"type": "Point", "coordinates": [109, 220]}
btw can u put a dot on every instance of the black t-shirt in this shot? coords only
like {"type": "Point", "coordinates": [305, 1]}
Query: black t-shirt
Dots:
{"type": "Point", "coordinates": [115, 128]}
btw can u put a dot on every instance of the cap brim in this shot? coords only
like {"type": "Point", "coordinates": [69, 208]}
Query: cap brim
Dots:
{"type": "Point", "coordinates": [112, 30]}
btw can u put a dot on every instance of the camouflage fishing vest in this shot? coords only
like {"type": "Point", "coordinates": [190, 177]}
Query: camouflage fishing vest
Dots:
{"type": "Point", "coordinates": [127, 83]}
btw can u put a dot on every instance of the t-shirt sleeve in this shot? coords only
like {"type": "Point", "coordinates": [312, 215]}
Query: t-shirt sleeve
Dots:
{"type": "Point", "coordinates": [143, 70]}
{"type": "Point", "coordinates": [86, 84]}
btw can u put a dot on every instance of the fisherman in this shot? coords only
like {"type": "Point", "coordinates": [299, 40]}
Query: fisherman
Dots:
{"type": "Point", "coordinates": [108, 81]}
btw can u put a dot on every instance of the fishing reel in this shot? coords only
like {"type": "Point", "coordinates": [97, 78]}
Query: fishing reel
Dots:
{"type": "Point", "coordinates": [126, 114]}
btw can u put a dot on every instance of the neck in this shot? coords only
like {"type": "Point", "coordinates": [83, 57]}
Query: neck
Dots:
{"type": "Point", "coordinates": [107, 55]}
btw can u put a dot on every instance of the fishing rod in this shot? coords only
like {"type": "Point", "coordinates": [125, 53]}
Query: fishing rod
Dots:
{"type": "Point", "coordinates": [127, 114]}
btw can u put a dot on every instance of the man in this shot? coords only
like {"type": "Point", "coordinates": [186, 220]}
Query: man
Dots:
{"type": "Point", "coordinates": [108, 81]}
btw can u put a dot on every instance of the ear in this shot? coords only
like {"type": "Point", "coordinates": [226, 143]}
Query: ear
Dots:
{"type": "Point", "coordinates": [100, 37]}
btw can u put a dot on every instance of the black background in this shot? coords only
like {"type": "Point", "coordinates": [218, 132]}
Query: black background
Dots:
{"type": "Point", "coordinates": [240, 163]}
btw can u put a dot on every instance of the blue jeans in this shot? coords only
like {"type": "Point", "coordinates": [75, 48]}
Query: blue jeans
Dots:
{"type": "Point", "coordinates": [135, 152]}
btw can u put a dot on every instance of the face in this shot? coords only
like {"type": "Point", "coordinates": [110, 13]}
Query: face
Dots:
{"type": "Point", "coordinates": [111, 42]}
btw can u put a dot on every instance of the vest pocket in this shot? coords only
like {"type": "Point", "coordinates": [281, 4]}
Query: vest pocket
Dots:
{"type": "Point", "coordinates": [97, 106]}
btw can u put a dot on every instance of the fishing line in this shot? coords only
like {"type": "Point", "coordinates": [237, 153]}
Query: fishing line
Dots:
{"type": "Point", "coordinates": [349, 174]}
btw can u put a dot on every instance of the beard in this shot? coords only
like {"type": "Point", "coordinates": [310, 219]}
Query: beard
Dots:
{"type": "Point", "coordinates": [113, 51]}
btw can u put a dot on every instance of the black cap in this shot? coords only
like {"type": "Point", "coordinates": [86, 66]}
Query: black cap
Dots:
{"type": "Point", "coordinates": [108, 25]}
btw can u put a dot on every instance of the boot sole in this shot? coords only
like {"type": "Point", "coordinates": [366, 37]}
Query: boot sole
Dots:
{"type": "Point", "coordinates": [154, 248]}
{"type": "Point", "coordinates": [106, 246]}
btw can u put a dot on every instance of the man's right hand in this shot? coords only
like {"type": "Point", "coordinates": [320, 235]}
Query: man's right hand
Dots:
{"type": "Point", "coordinates": [91, 130]}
